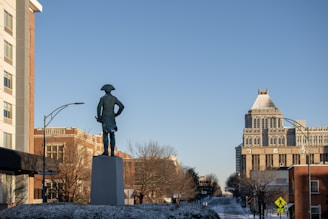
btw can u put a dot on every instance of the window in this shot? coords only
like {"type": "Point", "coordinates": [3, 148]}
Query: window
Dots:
{"type": "Point", "coordinates": [296, 159]}
{"type": "Point", "coordinates": [311, 159]}
{"type": "Point", "coordinates": [320, 140]}
{"type": "Point", "coordinates": [315, 212]}
{"type": "Point", "coordinates": [324, 158]}
{"type": "Point", "coordinates": [37, 193]}
{"type": "Point", "coordinates": [282, 160]}
{"type": "Point", "coordinates": [315, 186]}
{"type": "Point", "coordinates": [8, 22]}
{"type": "Point", "coordinates": [7, 140]}
{"type": "Point", "coordinates": [256, 162]}
{"type": "Point", "coordinates": [56, 152]}
{"type": "Point", "coordinates": [263, 126]}
{"type": "Point", "coordinates": [274, 122]}
{"type": "Point", "coordinates": [8, 80]}
{"type": "Point", "coordinates": [54, 190]}
{"type": "Point", "coordinates": [269, 160]}
{"type": "Point", "coordinates": [7, 110]}
{"type": "Point", "coordinates": [8, 52]}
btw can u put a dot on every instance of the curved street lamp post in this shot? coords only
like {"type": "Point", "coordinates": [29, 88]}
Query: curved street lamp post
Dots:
{"type": "Point", "coordinates": [51, 115]}
{"type": "Point", "coordinates": [307, 136]}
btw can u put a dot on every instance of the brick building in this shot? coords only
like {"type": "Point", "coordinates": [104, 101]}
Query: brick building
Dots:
{"type": "Point", "coordinates": [299, 191]}
{"type": "Point", "coordinates": [73, 149]}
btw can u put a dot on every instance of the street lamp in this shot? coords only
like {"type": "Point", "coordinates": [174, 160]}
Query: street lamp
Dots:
{"type": "Point", "coordinates": [307, 136]}
{"type": "Point", "coordinates": [51, 115]}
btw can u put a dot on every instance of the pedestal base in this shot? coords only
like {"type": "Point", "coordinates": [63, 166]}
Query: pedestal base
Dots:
{"type": "Point", "coordinates": [107, 185]}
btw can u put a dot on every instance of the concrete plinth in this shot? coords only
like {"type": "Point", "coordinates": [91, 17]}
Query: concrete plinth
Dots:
{"type": "Point", "coordinates": [107, 186]}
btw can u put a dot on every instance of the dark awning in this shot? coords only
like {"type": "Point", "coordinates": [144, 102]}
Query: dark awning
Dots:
{"type": "Point", "coordinates": [24, 163]}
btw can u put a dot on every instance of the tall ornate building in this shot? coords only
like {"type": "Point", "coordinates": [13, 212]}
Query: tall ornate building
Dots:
{"type": "Point", "coordinates": [268, 144]}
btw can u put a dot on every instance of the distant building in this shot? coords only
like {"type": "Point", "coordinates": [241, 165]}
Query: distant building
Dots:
{"type": "Point", "coordinates": [205, 186]}
{"type": "Point", "coordinates": [17, 100]}
{"type": "Point", "coordinates": [268, 144]}
{"type": "Point", "coordinates": [299, 191]}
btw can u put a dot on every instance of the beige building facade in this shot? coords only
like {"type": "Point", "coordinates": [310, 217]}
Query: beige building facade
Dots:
{"type": "Point", "coordinates": [16, 95]}
{"type": "Point", "coordinates": [268, 144]}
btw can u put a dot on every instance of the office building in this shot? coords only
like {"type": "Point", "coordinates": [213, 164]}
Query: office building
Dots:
{"type": "Point", "coordinates": [17, 100]}
{"type": "Point", "coordinates": [268, 144]}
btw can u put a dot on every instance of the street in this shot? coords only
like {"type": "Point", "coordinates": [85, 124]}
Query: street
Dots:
{"type": "Point", "coordinates": [228, 208]}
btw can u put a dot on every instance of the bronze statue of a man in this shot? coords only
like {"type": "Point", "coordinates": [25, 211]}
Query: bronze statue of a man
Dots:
{"type": "Point", "coordinates": [106, 116]}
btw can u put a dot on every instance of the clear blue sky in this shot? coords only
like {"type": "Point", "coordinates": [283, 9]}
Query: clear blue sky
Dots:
{"type": "Point", "coordinates": [187, 71]}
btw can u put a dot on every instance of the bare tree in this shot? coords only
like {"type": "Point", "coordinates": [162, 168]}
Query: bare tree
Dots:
{"type": "Point", "coordinates": [72, 183]}
{"type": "Point", "coordinates": [233, 182]}
{"type": "Point", "coordinates": [184, 185]}
{"type": "Point", "coordinates": [263, 181]}
{"type": "Point", "coordinates": [156, 170]}
{"type": "Point", "coordinates": [214, 183]}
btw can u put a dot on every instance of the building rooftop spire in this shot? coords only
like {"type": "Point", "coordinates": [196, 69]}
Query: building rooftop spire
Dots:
{"type": "Point", "coordinates": [263, 101]}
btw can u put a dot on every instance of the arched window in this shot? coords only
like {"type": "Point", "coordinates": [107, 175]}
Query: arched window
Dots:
{"type": "Point", "coordinates": [263, 124]}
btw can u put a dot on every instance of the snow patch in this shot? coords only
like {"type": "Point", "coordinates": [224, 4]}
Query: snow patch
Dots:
{"type": "Point", "coordinates": [72, 211]}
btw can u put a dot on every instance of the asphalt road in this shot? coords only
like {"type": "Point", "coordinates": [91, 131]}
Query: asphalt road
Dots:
{"type": "Point", "coordinates": [227, 208]}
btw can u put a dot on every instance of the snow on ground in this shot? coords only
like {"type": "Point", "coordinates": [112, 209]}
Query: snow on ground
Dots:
{"type": "Point", "coordinates": [210, 208]}
{"type": "Point", "coordinates": [74, 211]}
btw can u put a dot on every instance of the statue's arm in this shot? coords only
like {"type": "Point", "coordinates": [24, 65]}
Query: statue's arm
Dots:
{"type": "Point", "coordinates": [99, 108]}
{"type": "Point", "coordinates": [120, 107]}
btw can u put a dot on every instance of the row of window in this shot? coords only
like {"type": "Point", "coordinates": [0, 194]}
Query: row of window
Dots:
{"type": "Point", "coordinates": [296, 159]}
{"type": "Point", "coordinates": [7, 77]}
{"type": "Point", "coordinates": [272, 140]}
{"type": "Point", "coordinates": [301, 140]}
{"type": "Point", "coordinates": [313, 140]}
{"type": "Point", "coordinates": [8, 27]}
{"type": "Point", "coordinates": [263, 123]}
{"type": "Point", "coordinates": [267, 123]}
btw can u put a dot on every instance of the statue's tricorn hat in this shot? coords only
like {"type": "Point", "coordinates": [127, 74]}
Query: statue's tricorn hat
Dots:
{"type": "Point", "coordinates": [107, 87]}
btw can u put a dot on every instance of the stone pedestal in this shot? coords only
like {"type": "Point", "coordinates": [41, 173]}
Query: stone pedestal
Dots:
{"type": "Point", "coordinates": [107, 185]}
